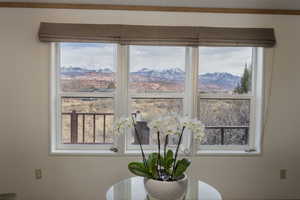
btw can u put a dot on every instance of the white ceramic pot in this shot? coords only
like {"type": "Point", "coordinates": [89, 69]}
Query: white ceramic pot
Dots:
{"type": "Point", "coordinates": [166, 190]}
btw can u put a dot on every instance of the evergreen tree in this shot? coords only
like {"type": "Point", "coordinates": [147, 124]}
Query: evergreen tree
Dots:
{"type": "Point", "coordinates": [244, 86]}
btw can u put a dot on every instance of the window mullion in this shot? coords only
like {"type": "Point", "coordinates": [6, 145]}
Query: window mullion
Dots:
{"type": "Point", "coordinates": [251, 133]}
{"type": "Point", "coordinates": [257, 100]}
{"type": "Point", "coordinates": [55, 115]}
{"type": "Point", "coordinates": [121, 97]}
{"type": "Point", "coordinates": [194, 80]}
{"type": "Point", "coordinates": [194, 102]}
{"type": "Point", "coordinates": [57, 58]}
{"type": "Point", "coordinates": [122, 81]}
{"type": "Point", "coordinates": [190, 100]}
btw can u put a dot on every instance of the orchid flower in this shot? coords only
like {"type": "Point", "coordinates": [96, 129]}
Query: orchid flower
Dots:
{"type": "Point", "coordinates": [122, 124]}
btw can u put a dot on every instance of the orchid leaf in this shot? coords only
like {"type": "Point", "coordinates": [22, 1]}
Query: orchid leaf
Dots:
{"type": "Point", "coordinates": [181, 167]}
{"type": "Point", "coordinates": [139, 169]}
{"type": "Point", "coordinates": [169, 160]}
{"type": "Point", "coordinates": [152, 164]}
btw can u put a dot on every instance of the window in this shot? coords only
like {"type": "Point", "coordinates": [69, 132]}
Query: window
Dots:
{"type": "Point", "coordinates": [226, 100]}
{"type": "Point", "coordinates": [156, 86]}
{"type": "Point", "coordinates": [95, 83]}
{"type": "Point", "coordinates": [86, 82]}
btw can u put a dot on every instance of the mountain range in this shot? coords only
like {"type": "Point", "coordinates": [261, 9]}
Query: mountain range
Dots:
{"type": "Point", "coordinates": [208, 82]}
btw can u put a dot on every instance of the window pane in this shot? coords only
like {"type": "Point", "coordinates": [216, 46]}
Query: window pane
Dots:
{"type": "Point", "coordinates": [87, 67]}
{"type": "Point", "coordinates": [147, 110]}
{"type": "Point", "coordinates": [156, 69]}
{"type": "Point", "coordinates": [87, 120]}
{"type": "Point", "coordinates": [226, 121]}
{"type": "Point", "coordinates": [225, 70]}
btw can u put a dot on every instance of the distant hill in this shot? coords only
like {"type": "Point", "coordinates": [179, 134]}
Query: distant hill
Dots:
{"type": "Point", "coordinates": [219, 81]}
{"type": "Point", "coordinates": [78, 71]}
{"type": "Point", "coordinates": [167, 75]}
{"type": "Point", "coordinates": [209, 81]}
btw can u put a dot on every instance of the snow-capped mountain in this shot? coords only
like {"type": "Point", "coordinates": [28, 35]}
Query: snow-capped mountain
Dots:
{"type": "Point", "coordinates": [222, 80]}
{"type": "Point", "coordinates": [170, 75]}
{"type": "Point", "coordinates": [79, 71]}
{"type": "Point", "coordinates": [208, 81]}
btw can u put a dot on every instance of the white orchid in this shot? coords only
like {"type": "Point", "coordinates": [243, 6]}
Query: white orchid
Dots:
{"type": "Point", "coordinates": [197, 128]}
{"type": "Point", "coordinates": [122, 124]}
{"type": "Point", "coordinates": [173, 125]}
{"type": "Point", "coordinates": [166, 125]}
{"type": "Point", "coordinates": [169, 125]}
{"type": "Point", "coordinates": [156, 124]}
{"type": "Point", "coordinates": [194, 125]}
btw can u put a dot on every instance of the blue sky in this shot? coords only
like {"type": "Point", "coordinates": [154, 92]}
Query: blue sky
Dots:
{"type": "Point", "coordinates": [211, 59]}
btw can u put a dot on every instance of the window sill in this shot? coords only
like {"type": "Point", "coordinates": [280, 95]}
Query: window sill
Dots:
{"type": "Point", "coordinates": [137, 153]}
{"type": "Point", "coordinates": [83, 153]}
{"type": "Point", "coordinates": [227, 153]}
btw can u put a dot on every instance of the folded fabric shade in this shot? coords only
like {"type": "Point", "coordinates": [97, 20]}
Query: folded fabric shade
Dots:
{"type": "Point", "coordinates": [157, 35]}
{"type": "Point", "coordinates": [8, 196]}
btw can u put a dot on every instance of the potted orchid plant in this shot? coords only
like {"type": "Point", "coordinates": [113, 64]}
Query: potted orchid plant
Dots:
{"type": "Point", "coordinates": [163, 172]}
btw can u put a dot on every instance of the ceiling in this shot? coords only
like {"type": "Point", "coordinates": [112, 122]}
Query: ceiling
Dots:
{"type": "Point", "coordinates": [256, 4]}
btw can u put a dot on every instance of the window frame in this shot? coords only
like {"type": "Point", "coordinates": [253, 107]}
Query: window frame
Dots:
{"type": "Point", "coordinates": [57, 146]}
{"type": "Point", "coordinates": [256, 114]}
{"type": "Point", "coordinates": [121, 96]}
{"type": "Point", "coordinates": [186, 140]}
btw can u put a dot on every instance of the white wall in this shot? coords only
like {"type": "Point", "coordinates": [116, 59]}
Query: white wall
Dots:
{"type": "Point", "coordinates": [24, 113]}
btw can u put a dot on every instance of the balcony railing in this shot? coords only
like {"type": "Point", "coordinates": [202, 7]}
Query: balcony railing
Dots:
{"type": "Point", "coordinates": [222, 129]}
{"type": "Point", "coordinates": [74, 118]}
{"type": "Point", "coordinates": [142, 129]}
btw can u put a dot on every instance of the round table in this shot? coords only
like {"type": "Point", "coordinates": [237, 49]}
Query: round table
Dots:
{"type": "Point", "coordinates": [133, 189]}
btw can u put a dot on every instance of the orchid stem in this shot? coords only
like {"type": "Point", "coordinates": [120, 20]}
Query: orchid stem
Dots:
{"type": "Point", "coordinates": [139, 140]}
{"type": "Point", "coordinates": [158, 161]}
{"type": "Point", "coordinates": [177, 149]}
{"type": "Point", "coordinates": [165, 147]}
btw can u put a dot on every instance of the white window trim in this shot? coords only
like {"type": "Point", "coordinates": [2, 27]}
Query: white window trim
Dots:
{"type": "Point", "coordinates": [256, 114]}
{"type": "Point", "coordinates": [185, 96]}
{"type": "Point", "coordinates": [57, 147]}
{"type": "Point", "coordinates": [190, 98]}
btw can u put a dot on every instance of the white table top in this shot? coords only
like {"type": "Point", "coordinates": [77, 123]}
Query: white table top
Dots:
{"type": "Point", "coordinates": [133, 189]}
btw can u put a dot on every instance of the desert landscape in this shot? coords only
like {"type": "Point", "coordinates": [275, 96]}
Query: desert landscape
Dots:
{"type": "Point", "coordinates": [213, 113]}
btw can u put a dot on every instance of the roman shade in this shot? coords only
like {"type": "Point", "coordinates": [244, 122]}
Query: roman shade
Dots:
{"type": "Point", "coordinates": [8, 196]}
{"type": "Point", "coordinates": [157, 35]}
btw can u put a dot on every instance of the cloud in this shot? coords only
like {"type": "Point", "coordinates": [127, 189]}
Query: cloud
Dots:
{"type": "Point", "coordinates": [211, 59]}
{"type": "Point", "coordinates": [156, 57]}
{"type": "Point", "coordinates": [224, 59]}
{"type": "Point", "coordinates": [88, 55]}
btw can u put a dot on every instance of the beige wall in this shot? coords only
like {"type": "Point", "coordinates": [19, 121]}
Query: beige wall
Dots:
{"type": "Point", "coordinates": [24, 113]}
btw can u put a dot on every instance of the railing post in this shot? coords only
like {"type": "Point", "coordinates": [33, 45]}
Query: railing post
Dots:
{"type": "Point", "coordinates": [74, 127]}
{"type": "Point", "coordinates": [83, 128]}
{"type": "Point", "coordinates": [246, 136]}
{"type": "Point", "coordinates": [222, 135]}
{"type": "Point", "coordinates": [94, 128]}
{"type": "Point", "coordinates": [104, 128]}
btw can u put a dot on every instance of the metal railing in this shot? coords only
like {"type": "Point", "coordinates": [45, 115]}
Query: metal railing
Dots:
{"type": "Point", "coordinates": [224, 128]}
{"type": "Point", "coordinates": [74, 118]}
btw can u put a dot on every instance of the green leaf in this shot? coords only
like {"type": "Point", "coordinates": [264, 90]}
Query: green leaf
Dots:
{"type": "Point", "coordinates": [152, 164]}
{"type": "Point", "coordinates": [169, 154]}
{"type": "Point", "coordinates": [139, 169]}
{"type": "Point", "coordinates": [169, 160]}
{"type": "Point", "coordinates": [152, 160]}
{"type": "Point", "coordinates": [181, 167]}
